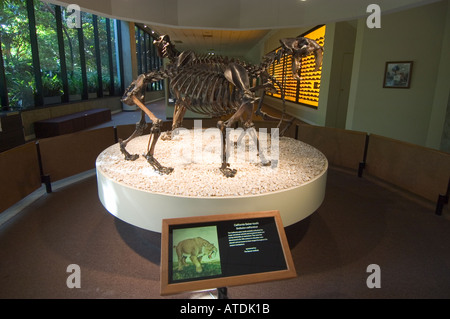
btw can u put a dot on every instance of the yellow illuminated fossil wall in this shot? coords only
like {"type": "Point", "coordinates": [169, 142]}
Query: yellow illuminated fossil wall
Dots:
{"type": "Point", "coordinates": [306, 91]}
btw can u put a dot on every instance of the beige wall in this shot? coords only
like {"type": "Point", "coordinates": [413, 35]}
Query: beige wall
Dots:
{"type": "Point", "coordinates": [414, 115]}
{"type": "Point", "coordinates": [352, 94]}
{"type": "Point", "coordinates": [340, 74]}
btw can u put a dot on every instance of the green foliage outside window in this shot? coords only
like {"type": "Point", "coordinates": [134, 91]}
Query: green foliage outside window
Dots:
{"type": "Point", "coordinates": [16, 49]}
{"type": "Point", "coordinates": [18, 59]}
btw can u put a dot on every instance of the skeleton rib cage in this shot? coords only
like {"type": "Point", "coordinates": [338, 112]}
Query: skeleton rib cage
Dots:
{"type": "Point", "coordinates": [201, 85]}
{"type": "Point", "coordinates": [204, 88]}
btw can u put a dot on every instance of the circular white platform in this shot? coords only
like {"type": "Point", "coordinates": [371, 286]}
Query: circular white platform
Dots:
{"type": "Point", "coordinates": [136, 194]}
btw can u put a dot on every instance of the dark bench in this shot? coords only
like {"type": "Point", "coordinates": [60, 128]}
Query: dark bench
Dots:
{"type": "Point", "coordinates": [11, 130]}
{"type": "Point", "coordinates": [71, 123]}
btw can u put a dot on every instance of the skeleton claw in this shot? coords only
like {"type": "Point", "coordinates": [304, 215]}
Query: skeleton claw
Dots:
{"type": "Point", "coordinates": [157, 166]}
{"type": "Point", "coordinates": [268, 163]}
{"type": "Point", "coordinates": [228, 172]}
{"type": "Point", "coordinates": [166, 170]}
{"type": "Point", "coordinates": [131, 157]}
{"type": "Point", "coordinates": [166, 136]}
{"type": "Point", "coordinates": [128, 156]}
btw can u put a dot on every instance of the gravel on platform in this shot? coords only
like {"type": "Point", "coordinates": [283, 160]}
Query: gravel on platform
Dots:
{"type": "Point", "coordinates": [196, 156]}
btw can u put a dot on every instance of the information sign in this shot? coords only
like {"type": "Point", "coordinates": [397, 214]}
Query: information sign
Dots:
{"type": "Point", "coordinates": [223, 250]}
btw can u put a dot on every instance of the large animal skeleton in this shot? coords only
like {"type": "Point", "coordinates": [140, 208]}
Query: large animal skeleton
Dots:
{"type": "Point", "coordinates": [214, 86]}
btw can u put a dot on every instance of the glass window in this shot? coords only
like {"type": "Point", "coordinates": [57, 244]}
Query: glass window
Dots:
{"type": "Point", "coordinates": [139, 51]}
{"type": "Point", "coordinates": [104, 55]}
{"type": "Point", "coordinates": [17, 56]}
{"type": "Point", "coordinates": [147, 58]}
{"type": "Point", "coordinates": [89, 49]}
{"type": "Point", "coordinates": [115, 55]}
{"type": "Point", "coordinates": [73, 61]}
{"type": "Point", "coordinates": [48, 52]}
{"type": "Point", "coordinates": [151, 51]}
{"type": "Point", "coordinates": [84, 61]}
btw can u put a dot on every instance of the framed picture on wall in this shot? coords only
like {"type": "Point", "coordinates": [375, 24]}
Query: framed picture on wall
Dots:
{"type": "Point", "coordinates": [398, 75]}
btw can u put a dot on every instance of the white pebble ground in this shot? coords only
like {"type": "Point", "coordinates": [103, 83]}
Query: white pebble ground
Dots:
{"type": "Point", "coordinates": [196, 159]}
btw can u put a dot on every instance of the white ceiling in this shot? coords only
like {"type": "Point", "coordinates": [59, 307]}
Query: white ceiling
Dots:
{"type": "Point", "coordinates": [233, 43]}
{"type": "Point", "coordinates": [232, 27]}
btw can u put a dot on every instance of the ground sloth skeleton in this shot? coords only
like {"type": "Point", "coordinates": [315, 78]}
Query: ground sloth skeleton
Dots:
{"type": "Point", "coordinates": [211, 85]}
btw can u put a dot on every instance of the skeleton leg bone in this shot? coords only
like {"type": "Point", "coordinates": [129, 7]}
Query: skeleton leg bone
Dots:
{"type": "Point", "coordinates": [249, 127]}
{"type": "Point", "coordinates": [254, 137]}
{"type": "Point", "coordinates": [140, 127]}
{"type": "Point", "coordinates": [155, 132]}
{"type": "Point", "coordinates": [178, 115]}
{"type": "Point", "coordinates": [244, 108]}
{"type": "Point", "coordinates": [238, 76]}
{"type": "Point", "coordinates": [228, 172]}
{"type": "Point", "coordinates": [267, 117]}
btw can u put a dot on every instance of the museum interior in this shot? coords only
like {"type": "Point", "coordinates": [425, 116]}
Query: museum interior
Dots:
{"type": "Point", "coordinates": [117, 123]}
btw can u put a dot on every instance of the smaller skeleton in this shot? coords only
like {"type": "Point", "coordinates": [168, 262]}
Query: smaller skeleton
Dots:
{"type": "Point", "coordinates": [214, 86]}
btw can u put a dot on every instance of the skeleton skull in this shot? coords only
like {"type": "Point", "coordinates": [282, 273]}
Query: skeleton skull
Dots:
{"type": "Point", "coordinates": [164, 47]}
{"type": "Point", "coordinates": [299, 48]}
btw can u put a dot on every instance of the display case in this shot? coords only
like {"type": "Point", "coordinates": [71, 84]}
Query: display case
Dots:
{"type": "Point", "coordinates": [306, 91]}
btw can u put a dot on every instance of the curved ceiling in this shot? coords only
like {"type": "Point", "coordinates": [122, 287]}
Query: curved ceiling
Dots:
{"type": "Point", "coordinates": [232, 27]}
{"type": "Point", "coordinates": [238, 14]}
